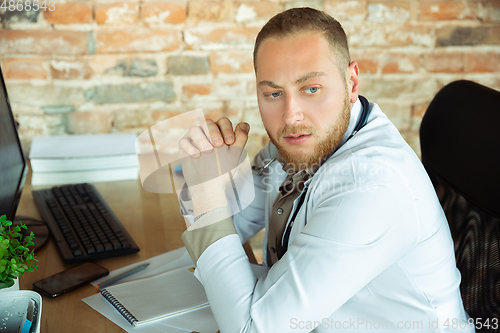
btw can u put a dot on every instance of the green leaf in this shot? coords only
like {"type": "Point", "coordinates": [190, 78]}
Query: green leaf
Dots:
{"type": "Point", "coordinates": [7, 283]}
{"type": "Point", "coordinates": [15, 256]}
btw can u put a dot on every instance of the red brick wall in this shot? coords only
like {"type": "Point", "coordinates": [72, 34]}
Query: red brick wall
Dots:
{"type": "Point", "coordinates": [103, 66]}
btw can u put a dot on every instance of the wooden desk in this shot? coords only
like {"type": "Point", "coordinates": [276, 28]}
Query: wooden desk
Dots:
{"type": "Point", "coordinates": [153, 221]}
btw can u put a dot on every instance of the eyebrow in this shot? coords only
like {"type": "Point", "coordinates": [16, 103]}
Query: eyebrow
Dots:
{"type": "Point", "coordinates": [309, 76]}
{"type": "Point", "coordinates": [299, 81]}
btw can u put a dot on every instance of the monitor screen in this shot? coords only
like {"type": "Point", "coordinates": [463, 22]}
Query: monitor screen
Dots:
{"type": "Point", "coordinates": [12, 162]}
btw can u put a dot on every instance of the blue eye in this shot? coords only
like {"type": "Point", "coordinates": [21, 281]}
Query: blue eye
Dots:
{"type": "Point", "coordinates": [274, 94]}
{"type": "Point", "coordinates": [311, 90]}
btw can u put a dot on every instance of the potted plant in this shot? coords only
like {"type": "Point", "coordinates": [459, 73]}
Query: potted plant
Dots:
{"type": "Point", "coordinates": [15, 256]}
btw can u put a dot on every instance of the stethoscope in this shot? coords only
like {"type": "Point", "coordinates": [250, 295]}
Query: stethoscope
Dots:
{"type": "Point", "coordinates": [362, 120]}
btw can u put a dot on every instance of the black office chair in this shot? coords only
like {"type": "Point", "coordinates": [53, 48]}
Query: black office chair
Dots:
{"type": "Point", "coordinates": [460, 142]}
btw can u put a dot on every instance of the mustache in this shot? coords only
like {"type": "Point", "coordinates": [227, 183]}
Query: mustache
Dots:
{"type": "Point", "coordinates": [300, 129]}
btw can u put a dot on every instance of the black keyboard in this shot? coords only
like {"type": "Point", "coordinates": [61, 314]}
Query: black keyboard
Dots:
{"type": "Point", "coordinates": [81, 223]}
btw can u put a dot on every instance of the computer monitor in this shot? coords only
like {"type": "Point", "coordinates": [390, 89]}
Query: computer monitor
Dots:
{"type": "Point", "coordinates": [13, 171]}
{"type": "Point", "coordinates": [13, 168]}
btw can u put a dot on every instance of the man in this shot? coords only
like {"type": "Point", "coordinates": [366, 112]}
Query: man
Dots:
{"type": "Point", "coordinates": [369, 247]}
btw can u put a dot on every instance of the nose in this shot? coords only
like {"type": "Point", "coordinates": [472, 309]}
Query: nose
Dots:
{"type": "Point", "coordinates": [293, 112]}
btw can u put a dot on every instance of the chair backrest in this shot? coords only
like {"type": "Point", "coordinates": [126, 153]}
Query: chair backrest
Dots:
{"type": "Point", "coordinates": [460, 143]}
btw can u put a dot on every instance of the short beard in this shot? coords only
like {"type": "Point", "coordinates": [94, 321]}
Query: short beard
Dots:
{"type": "Point", "coordinates": [323, 149]}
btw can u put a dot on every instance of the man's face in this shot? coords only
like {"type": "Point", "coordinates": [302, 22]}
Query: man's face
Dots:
{"type": "Point", "coordinates": [304, 102]}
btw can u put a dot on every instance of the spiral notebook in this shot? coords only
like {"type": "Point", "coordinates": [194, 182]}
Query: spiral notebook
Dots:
{"type": "Point", "coordinates": [156, 297]}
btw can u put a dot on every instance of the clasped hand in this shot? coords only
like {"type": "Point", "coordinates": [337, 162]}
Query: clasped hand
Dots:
{"type": "Point", "coordinates": [209, 154]}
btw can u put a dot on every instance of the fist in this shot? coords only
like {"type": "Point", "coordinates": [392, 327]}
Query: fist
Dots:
{"type": "Point", "coordinates": [210, 151]}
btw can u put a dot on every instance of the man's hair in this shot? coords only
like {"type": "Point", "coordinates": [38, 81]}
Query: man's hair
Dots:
{"type": "Point", "coordinates": [300, 20]}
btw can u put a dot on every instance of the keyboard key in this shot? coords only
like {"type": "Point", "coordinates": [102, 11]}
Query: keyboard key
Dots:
{"type": "Point", "coordinates": [80, 190]}
{"type": "Point", "coordinates": [116, 244]}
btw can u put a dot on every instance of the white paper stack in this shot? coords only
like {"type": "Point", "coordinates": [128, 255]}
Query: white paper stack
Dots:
{"type": "Point", "coordinates": [83, 158]}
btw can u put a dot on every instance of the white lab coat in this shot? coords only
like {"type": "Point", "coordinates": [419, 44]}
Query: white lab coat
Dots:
{"type": "Point", "coordinates": [370, 249]}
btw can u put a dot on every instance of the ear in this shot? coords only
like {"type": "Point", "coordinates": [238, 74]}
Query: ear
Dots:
{"type": "Point", "coordinates": [352, 80]}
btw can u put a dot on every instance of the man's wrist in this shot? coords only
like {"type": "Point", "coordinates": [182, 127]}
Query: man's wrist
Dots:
{"type": "Point", "coordinates": [203, 204]}
{"type": "Point", "coordinates": [208, 196]}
